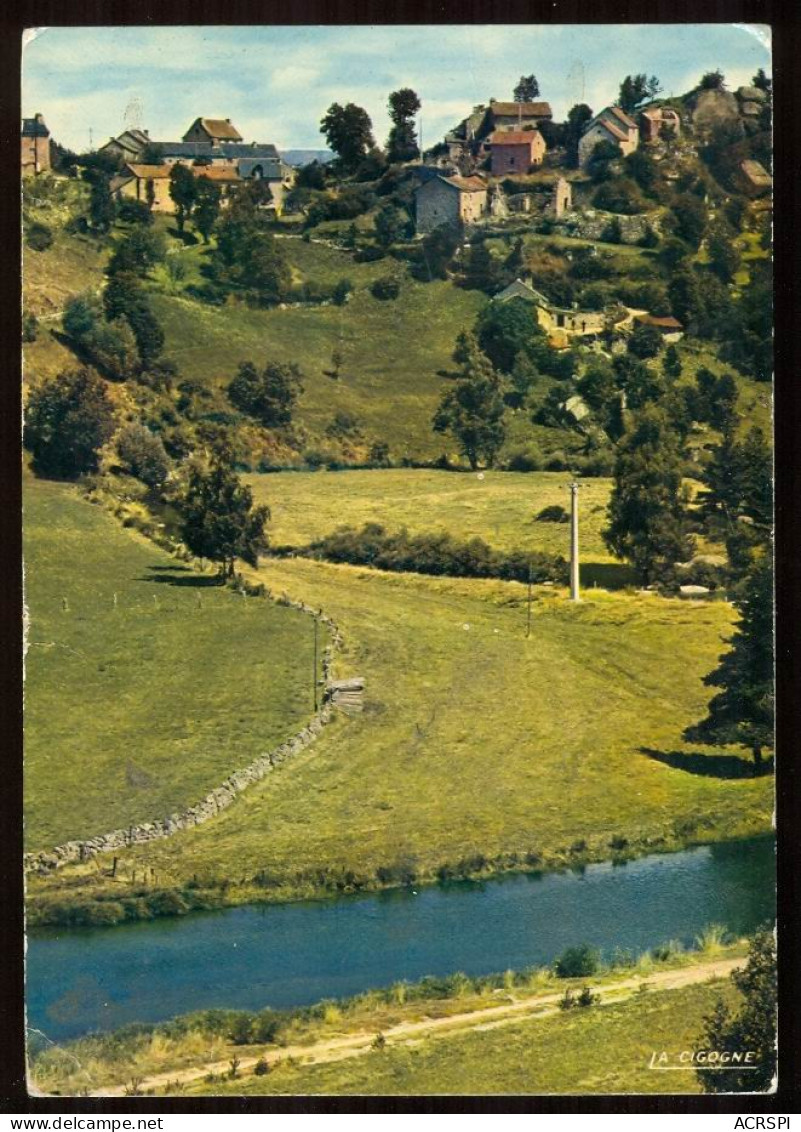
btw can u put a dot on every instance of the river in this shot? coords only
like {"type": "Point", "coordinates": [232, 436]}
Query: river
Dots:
{"type": "Point", "coordinates": [285, 955]}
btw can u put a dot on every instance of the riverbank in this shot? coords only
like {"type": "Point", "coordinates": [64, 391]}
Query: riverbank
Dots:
{"type": "Point", "coordinates": [219, 1051]}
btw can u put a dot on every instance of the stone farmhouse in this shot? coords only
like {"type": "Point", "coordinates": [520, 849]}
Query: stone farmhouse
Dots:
{"type": "Point", "coordinates": [670, 328]}
{"type": "Point", "coordinates": [611, 125]}
{"type": "Point", "coordinates": [515, 151]}
{"type": "Point", "coordinates": [450, 201]}
{"type": "Point", "coordinates": [511, 115]}
{"type": "Point", "coordinates": [35, 145]}
{"type": "Point", "coordinates": [468, 142]}
{"type": "Point", "coordinates": [212, 131]}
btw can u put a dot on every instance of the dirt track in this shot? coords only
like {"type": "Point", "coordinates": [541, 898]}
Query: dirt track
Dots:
{"type": "Point", "coordinates": [486, 1018]}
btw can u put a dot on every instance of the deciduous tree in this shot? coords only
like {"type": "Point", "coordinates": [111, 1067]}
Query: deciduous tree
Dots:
{"type": "Point", "coordinates": [349, 133]}
{"type": "Point", "coordinates": [68, 419]}
{"type": "Point", "coordinates": [270, 396]}
{"type": "Point", "coordinates": [183, 192]}
{"type": "Point", "coordinates": [402, 141]}
{"type": "Point", "coordinates": [527, 89]}
{"type": "Point", "coordinates": [219, 521]}
{"type": "Point", "coordinates": [207, 207]}
{"type": "Point", "coordinates": [472, 410]}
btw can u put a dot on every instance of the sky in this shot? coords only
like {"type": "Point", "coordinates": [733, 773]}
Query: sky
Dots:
{"type": "Point", "coordinates": [275, 83]}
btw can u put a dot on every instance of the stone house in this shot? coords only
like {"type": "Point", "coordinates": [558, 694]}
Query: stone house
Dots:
{"type": "Point", "coordinates": [514, 115]}
{"type": "Point", "coordinates": [561, 324]}
{"type": "Point", "coordinates": [562, 200]}
{"type": "Point", "coordinates": [212, 131]}
{"type": "Point", "coordinates": [611, 125]}
{"type": "Point", "coordinates": [451, 201]}
{"type": "Point", "coordinates": [35, 147]}
{"type": "Point", "coordinates": [653, 119]}
{"type": "Point", "coordinates": [515, 151]}
{"type": "Point", "coordinates": [128, 146]}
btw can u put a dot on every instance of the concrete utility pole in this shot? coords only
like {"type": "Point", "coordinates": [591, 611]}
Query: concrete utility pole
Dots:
{"type": "Point", "coordinates": [574, 547]}
{"type": "Point", "coordinates": [315, 663]}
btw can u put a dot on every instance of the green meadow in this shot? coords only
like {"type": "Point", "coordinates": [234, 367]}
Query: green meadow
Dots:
{"type": "Point", "coordinates": [479, 748]}
{"type": "Point", "coordinates": [145, 685]}
{"type": "Point", "coordinates": [499, 507]}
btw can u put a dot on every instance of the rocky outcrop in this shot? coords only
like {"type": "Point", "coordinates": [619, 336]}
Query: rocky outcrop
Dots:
{"type": "Point", "coordinates": [715, 108]}
{"type": "Point", "coordinates": [216, 800]}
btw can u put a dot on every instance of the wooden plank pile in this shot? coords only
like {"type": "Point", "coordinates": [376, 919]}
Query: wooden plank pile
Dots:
{"type": "Point", "coordinates": [348, 695]}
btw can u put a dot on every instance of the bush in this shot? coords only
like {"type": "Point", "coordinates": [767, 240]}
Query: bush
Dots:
{"type": "Point", "coordinates": [143, 454]}
{"type": "Point", "coordinates": [134, 211]}
{"type": "Point", "coordinates": [341, 292]}
{"type": "Point", "coordinates": [261, 1068]}
{"type": "Point", "coordinates": [68, 420]}
{"type": "Point", "coordinates": [30, 327]}
{"type": "Point", "coordinates": [553, 514]}
{"type": "Point", "coordinates": [577, 962]}
{"type": "Point", "coordinates": [525, 460]}
{"type": "Point", "coordinates": [385, 288]}
{"type": "Point", "coordinates": [211, 293]}
{"type": "Point", "coordinates": [369, 254]}
{"type": "Point", "coordinates": [39, 237]}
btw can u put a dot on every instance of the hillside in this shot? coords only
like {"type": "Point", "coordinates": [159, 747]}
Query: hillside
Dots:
{"type": "Point", "coordinates": [146, 684]}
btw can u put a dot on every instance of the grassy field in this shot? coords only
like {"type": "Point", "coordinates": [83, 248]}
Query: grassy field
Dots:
{"type": "Point", "coordinates": [603, 1050]}
{"type": "Point", "coordinates": [480, 746]}
{"type": "Point", "coordinates": [499, 507]}
{"type": "Point", "coordinates": [139, 707]}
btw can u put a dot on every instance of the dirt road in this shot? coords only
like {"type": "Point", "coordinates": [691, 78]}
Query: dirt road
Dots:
{"type": "Point", "coordinates": [486, 1018]}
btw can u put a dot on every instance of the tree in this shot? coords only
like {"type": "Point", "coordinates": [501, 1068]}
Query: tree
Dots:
{"type": "Point", "coordinates": [147, 332]}
{"type": "Point", "coordinates": [247, 254]}
{"type": "Point", "coordinates": [637, 89]}
{"type": "Point", "coordinates": [348, 131]}
{"type": "Point", "coordinates": [672, 253]}
{"type": "Point", "coordinates": [671, 363]}
{"type": "Point", "coordinates": [81, 315]}
{"type": "Point", "coordinates": [645, 341]}
{"type": "Point", "coordinates": [402, 141]}
{"type": "Point", "coordinates": [527, 89]}
{"type": "Point", "coordinates": [482, 271]}
{"type": "Point", "coordinates": [102, 206]}
{"type": "Point", "coordinates": [724, 258]}
{"type": "Point", "coordinates": [269, 396]}
{"type": "Point", "coordinates": [152, 154]}
{"type": "Point", "coordinates": [141, 249]}
{"type": "Point", "coordinates": [503, 330]}
{"type": "Point", "coordinates": [219, 521]}
{"type": "Point", "coordinates": [647, 521]}
{"type": "Point", "coordinates": [640, 382]}
{"type": "Point", "coordinates": [577, 118]}
{"type": "Point", "coordinates": [438, 249]}
{"type": "Point", "coordinates": [712, 80]}
{"type": "Point", "coordinates": [183, 192]}
{"type": "Point", "coordinates": [597, 384]}
{"type": "Point", "coordinates": [143, 454]}
{"type": "Point", "coordinates": [390, 225]}
{"type": "Point", "coordinates": [472, 410]}
{"type": "Point", "coordinates": [515, 261]}
{"type": "Point", "coordinates": [690, 218]}
{"type": "Point", "coordinates": [751, 1028]}
{"type": "Point", "coordinates": [742, 712]}
{"type": "Point", "coordinates": [68, 420]}
{"type": "Point", "coordinates": [761, 81]}
{"type": "Point", "coordinates": [207, 207]}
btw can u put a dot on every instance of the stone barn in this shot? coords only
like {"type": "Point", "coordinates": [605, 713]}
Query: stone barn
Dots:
{"type": "Point", "coordinates": [515, 151]}
{"type": "Point", "coordinates": [35, 145]}
{"type": "Point", "coordinates": [611, 125]}
{"type": "Point", "coordinates": [451, 201]}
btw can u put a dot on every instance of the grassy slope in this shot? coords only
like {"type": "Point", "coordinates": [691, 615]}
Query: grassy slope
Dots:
{"type": "Point", "coordinates": [137, 709]}
{"type": "Point", "coordinates": [469, 744]}
{"type": "Point", "coordinates": [391, 351]}
{"type": "Point", "coordinates": [599, 1051]}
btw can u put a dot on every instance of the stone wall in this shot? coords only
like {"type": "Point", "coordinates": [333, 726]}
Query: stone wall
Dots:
{"type": "Point", "coordinates": [216, 800]}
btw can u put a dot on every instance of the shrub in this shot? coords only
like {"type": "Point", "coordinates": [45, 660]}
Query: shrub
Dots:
{"type": "Point", "coordinates": [30, 327]}
{"type": "Point", "coordinates": [553, 514]}
{"type": "Point", "coordinates": [39, 237]}
{"type": "Point", "coordinates": [134, 211]}
{"type": "Point", "coordinates": [68, 420]}
{"type": "Point", "coordinates": [341, 292]}
{"type": "Point", "coordinates": [385, 288]}
{"type": "Point", "coordinates": [143, 454]}
{"type": "Point", "coordinates": [379, 454]}
{"type": "Point", "coordinates": [587, 998]}
{"type": "Point", "coordinates": [369, 254]}
{"type": "Point", "coordinates": [567, 1001]}
{"type": "Point", "coordinates": [576, 962]}
{"type": "Point", "coordinates": [261, 1068]}
{"type": "Point", "coordinates": [525, 460]}
{"type": "Point", "coordinates": [211, 293]}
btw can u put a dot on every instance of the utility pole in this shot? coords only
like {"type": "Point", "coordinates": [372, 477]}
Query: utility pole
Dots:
{"type": "Point", "coordinates": [574, 546]}
{"type": "Point", "coordinates": [315, 662]}
{"type": "Point", "coordinates": [528, 621]}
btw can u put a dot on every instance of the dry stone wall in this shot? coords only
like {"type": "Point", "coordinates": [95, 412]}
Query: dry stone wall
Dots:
{"type": "Point", "coordinates": [216, 800]}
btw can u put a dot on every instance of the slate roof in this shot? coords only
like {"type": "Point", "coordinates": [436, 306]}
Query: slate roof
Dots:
{"type": "Point", "coordinates": [466, 184]}
{"type": "Point", "coordinates": [33, 129]}
{"type": "Point", "coordinates": [206, 149]}
{"type": "Point", "coordinates": [621, 116]}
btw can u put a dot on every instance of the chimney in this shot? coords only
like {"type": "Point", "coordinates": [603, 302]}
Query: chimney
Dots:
{"type": "Point", "coordinates": [39, 118]}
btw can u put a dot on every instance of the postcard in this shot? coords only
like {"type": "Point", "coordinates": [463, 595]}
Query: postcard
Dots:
{"type": "Point", "coordinates": [398, 520]}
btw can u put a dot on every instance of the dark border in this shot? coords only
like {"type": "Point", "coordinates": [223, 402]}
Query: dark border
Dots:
{"type": "Point", "coordinates": [787, 104]}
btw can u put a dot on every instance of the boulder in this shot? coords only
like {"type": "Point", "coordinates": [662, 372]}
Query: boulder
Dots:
{"type": "Point", "coordinates": [715, 107]}
{"type": "Point", "coordinates": [751, 94]}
